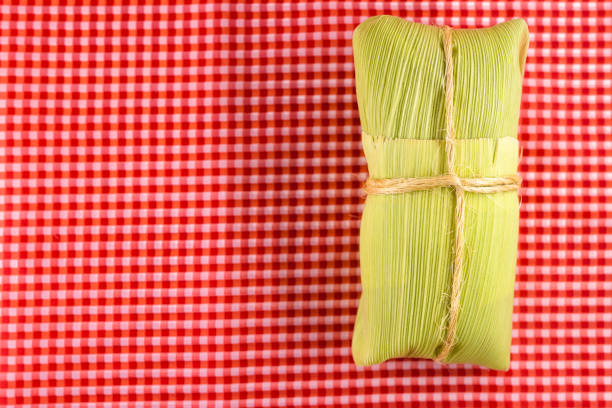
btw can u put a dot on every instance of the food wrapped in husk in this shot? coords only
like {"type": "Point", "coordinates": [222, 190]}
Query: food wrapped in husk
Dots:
{"type": "Point", "coordinates": [407, 240]}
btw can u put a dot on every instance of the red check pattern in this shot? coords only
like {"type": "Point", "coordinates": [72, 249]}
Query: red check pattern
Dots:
{"type": "Point", "coordinates": [180, 208]}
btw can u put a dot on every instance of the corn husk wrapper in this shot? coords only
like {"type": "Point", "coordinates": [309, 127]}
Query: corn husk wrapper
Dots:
{"type": "Point", "coordinates": [406, 240]}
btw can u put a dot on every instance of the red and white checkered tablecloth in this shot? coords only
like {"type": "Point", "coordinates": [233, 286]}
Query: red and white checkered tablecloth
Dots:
{"type": "Point", "coordinates": [180, 208]}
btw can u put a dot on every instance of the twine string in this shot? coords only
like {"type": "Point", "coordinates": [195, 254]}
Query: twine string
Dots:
{"type": "Point", "coordinates": [460, 201]}
{"type": "Point", "coordinates": [483, 185]}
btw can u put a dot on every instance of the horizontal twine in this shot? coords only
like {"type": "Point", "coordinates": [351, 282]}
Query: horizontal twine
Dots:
{"type": "Point", "coordinates": [483, 185]}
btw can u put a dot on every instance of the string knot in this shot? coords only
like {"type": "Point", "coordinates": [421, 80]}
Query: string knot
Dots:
{"type": "Point", "coordinates": [456, 181]}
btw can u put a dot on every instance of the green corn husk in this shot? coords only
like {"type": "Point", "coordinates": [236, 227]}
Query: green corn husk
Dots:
{"type": "Point", "coordinates": [407, 240]}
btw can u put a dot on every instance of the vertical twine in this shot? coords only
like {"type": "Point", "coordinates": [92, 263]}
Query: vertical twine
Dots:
{"type": "Point", "coordinates": [460, 198]}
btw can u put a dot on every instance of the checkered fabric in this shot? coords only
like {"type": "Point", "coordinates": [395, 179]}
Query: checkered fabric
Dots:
{"type": "Point", "coordinates": [180, 208]}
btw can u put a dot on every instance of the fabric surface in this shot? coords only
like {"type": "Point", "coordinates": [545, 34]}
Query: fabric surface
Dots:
{"type": "Point", "coordinates": [407, 241]}
{"type": "Point", "coordinates": [180, 208]}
